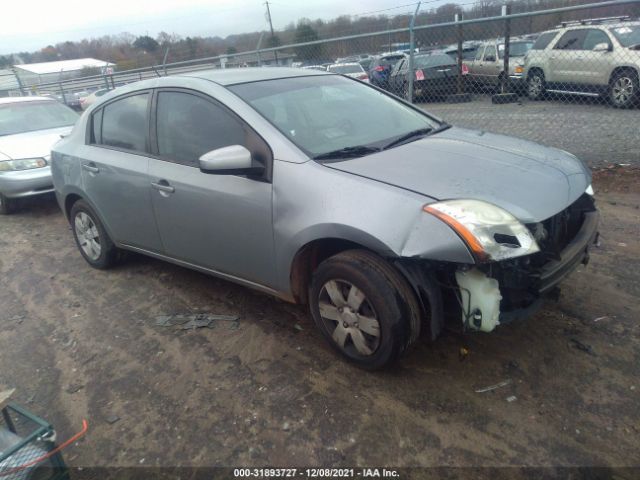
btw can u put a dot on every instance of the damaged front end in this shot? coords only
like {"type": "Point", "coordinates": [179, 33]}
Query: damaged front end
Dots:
{"type": "Point", "coordinates": [498, 292]}
{"type": "Point", "coordinates": [517, 266]}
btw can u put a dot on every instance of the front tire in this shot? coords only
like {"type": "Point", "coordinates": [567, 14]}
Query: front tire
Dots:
{"type": "Point", "coordinates": [364, 308]}
{"type": "Point", "coordinates": [536, 87]}
{"type": "Point", "coordinates": [91, 237]}
{"type": "Point", "coordinates": [623, 89]}
{"type": "Point", "coordinates": [6, 205]}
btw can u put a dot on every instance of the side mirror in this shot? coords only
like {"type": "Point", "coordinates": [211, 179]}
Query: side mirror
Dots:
{"type": "Point", "coordinates": [231, 160]}
{"type": "Point", "coordinates": [602, 47]}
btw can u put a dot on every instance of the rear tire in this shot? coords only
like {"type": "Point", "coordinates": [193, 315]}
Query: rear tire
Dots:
{"type": "Point", "coordinates": [364, 308]}
{"type": "Point", "coordinates": [7, 205]}
{"type": "Point", "coordinates": [91, 237]}
{"type": "Point", "coordinates": [623, 89]}
{"type": "Point", "coordinates": [536, 87]}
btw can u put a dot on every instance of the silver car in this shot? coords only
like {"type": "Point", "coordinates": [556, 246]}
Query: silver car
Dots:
{"type": "Point", "coordinates": [29, 126]}
{"type": "Point", "coordinates": [325, 191]}
{"type": "Point", "coordinates": [598, 57]}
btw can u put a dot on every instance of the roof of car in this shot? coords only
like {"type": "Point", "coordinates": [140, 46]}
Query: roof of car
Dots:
{"type": "Point", "coordinates": [232, 76]}
{"type": "Point", "coordinates": [607, 25]}
{"type": "Point", "coordinates": [24, 99]}
{"type": "Point", "coordinates": [345, 64]}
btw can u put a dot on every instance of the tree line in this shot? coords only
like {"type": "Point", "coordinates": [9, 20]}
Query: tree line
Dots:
{"type": "Point", "coordinates": [129, 51]}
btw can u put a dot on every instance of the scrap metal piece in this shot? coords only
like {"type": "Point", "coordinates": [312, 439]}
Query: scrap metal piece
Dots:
{"type": "Point", "coordinates": [494, 387]}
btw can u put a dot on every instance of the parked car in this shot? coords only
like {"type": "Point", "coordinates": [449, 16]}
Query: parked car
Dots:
{"type": "Point", "coordinates": [435, 74]}
{"type": "Point", "coordinates": [285, 180]}
{"type": "Point", "coordinates": [487, 68]}
{"type": "Point", "coordinates": [92, 97]}
{"type": "Point", "coordinates": [353, 70]}
{"type": "Point", "coordinates": [380, 69]}
{"type": "Point", "coordinates": [315, 67]}
{"type": "Point", "coordinates": [70, 99]}
{"type": "Point", "coordinates": [29, 126]}
{"type": "Point", "coordinates": [591, 57]}
{"type": "Point", "coordinates": [469, 50]}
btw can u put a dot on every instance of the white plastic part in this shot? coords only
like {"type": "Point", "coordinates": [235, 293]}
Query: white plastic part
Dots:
{"type": "Point", "coordinates": [480, 297]}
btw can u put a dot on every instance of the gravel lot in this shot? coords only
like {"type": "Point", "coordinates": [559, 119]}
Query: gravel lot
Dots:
{"type": "Point", "coordinates": [81, 343]}
{"type": "Point", "coordinates": [590, 129]}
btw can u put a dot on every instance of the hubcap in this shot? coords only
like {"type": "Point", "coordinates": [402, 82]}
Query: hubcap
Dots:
{"type": "Point", "coordinates": [87, 235]}
{"type": "Point", "coordinates": [622, 90]}
{"type": "Point", "coordinates": [349, 316]}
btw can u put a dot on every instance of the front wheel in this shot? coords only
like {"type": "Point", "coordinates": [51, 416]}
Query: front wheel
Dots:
{"type": "Point", "coordinates": [536, 88]}
{"type": "Point", "coordinates": [6, 205]}
{"type": "Point", "coordinates": [364, 308]}
{"type": "Point", "coordinates": [623, 90]}
{"type": "Point", "coordinates": [91, 237]}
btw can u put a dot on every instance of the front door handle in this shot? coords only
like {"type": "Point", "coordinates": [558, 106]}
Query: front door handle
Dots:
{"type": "Point", "coordinates": [90, 167]}
{"type": "Point", "coordinates": [163, 186]}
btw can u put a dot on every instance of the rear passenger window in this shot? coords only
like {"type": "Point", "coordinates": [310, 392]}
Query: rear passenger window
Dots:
{"type": "Point", "coordinates": [595, 37]}
{"type": "Point", "coordinates": [544, 40]}
{"type": "Point", "coordinates": [189, 126]}
{"type": "Point", "coordinates": [124, 123]}
{"type": "Point", "coordinates": [479, 53]}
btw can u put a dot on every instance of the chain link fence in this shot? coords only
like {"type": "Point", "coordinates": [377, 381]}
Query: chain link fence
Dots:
{"type": "Point", "coordinates": [566, 77]}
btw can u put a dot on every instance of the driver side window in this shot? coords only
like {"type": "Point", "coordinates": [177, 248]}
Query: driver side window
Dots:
{"type": "Point", "coordinates": [189, 126]}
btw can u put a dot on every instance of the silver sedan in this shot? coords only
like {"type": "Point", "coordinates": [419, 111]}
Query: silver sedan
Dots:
{"type": "Point", "coordinates": [29, 126]}
{"type": "Point", "coordinates": [329, 192]}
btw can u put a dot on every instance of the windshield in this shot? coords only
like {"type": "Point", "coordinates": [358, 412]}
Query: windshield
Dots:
{"type": "Point", "coordinates": [437, 60]}
{"type": "Point", "coordinates": [628, 35]}
{"type": "Point", "coordinates": [19, 117]}
{"type": "Point", "coordinates": [345, 68]}
{"type": "Point", "coordinates": [386, 61]}
{"type": "Point", "coordinates": [516, 49]}
{"type": "Point", "coordinates": [321, 114]}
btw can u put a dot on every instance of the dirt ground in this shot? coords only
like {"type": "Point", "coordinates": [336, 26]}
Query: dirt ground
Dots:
{"type": "Point", "coordinates": [79, 343]}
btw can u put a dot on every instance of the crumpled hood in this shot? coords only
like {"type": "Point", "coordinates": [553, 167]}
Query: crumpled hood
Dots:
{"type": "Point", "coordinates": [530, 181]}
{"type": "Point", "coordinates": [30, 144]}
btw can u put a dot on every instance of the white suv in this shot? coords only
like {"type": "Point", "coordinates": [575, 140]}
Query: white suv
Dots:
{"type": "Point", "coordinates": [599, 57]}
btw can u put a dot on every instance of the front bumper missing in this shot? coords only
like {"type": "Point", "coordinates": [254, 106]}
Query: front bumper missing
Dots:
{"type": "Point", "coordinates": [522, 286]}
{"type": "Point", "coordinates": [575, 253]}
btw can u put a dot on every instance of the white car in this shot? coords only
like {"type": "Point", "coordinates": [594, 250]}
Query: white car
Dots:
{"type": "Point", "coordinates": [353, 70]}
{"type": "Point", "coordinates": [92, 97]}
{"type": "Point", "coordinates": [29, 127]}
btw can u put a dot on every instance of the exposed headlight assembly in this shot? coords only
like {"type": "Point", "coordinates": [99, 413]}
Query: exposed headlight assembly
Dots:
{"type": "Point", "coordinates": [490, 232]}
{"type": "Point", "coordinates": [22, 164]}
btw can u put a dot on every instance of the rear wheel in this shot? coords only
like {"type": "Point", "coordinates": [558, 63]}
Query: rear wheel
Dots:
{"type": "Point", "coordinates": [6, 205]}
{"type": "Point", "coordinates": [91, 237]}
{"type": "Point", "coordinates": [623, 89]}
{"type": "Point", "coordinates": [364, 308]}
{"type": "Point", "coordinates": [536, 87]}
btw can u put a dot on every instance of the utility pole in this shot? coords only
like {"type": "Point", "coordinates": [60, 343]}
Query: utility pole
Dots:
{"type": "Point", "coordinates": [275, 52]}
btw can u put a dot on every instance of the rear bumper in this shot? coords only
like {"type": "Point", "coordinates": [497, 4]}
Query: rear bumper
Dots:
{"type": "Point", "coordinates": [447, 85]}
{"type": "Point", "coordinates": [25, 183]}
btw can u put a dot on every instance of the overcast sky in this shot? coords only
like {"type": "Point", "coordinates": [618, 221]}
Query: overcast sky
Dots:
{"type": "Point", "coordinates": [31, 25]}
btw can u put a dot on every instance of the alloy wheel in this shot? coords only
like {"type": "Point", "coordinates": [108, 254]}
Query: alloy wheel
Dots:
{"type": "Point", "coordinates": [535, 86]}
{"type": "Point", "coordinates": [622, 90]}
{"type": "Point", "coordinates": [87, 235]}
{"type": "Point", "coordinates": [349, 317]}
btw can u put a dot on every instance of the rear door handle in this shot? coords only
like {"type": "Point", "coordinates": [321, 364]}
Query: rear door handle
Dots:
{"type": "Point", "coordinates": [163, 186]}
{"type": "Point", "coordinates": [90, 167]}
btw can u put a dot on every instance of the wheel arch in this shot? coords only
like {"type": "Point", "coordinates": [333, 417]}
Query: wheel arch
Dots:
{"type": "Point", "coordinates": [309, 256]}
{"type": "Point", "coordinates": [72, 196]}
{"type": "Point", "coordinates": [623, 68]}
